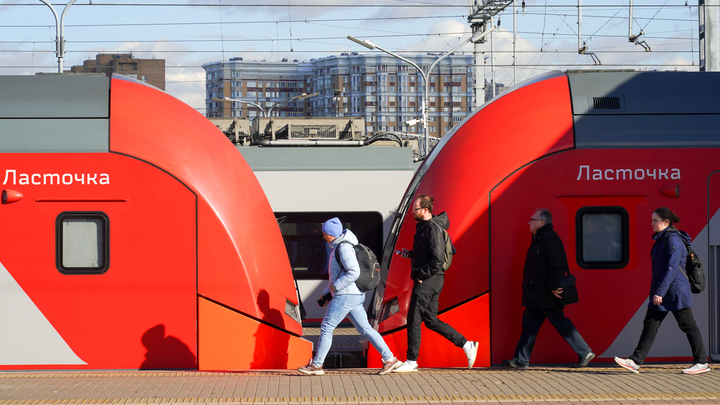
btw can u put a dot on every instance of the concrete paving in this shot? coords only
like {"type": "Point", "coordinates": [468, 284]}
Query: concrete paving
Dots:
{"type": "Point", "coordinates": [605, 384]}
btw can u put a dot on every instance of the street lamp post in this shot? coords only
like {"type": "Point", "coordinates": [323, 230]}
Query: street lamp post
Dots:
{"type": "Point", "coordinates": [302, 96]}
{"type": "Point", "coordinates": [232, 100]}
{"type": "Point", "coordinates": [265, 113]}
{"type": "Point", "coordinates": [425, 104]}
{"type": "Point", "coordinates": [59, 33]}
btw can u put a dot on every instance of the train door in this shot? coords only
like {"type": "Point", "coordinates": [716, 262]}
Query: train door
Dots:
{"type": "Point", "coordinates": [713, 263]}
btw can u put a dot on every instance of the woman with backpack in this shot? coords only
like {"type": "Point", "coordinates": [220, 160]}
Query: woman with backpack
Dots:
{"type": "Point", "coordinates": [669, 292]}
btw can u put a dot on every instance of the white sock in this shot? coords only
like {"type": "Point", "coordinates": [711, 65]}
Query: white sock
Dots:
{"type": "Point", "coordinates": [467, 346]}
{"type": "Point", "coordinates": [411, 362]}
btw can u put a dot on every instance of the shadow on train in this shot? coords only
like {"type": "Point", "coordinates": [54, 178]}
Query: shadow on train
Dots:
{"type": "Point", "coordinates": [270, 340]}
{"type": "Point", "coordinates": [165, 351]}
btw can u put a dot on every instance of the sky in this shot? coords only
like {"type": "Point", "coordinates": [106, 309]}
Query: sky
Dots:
{"type": "Point", "coordinates": [190, 33]}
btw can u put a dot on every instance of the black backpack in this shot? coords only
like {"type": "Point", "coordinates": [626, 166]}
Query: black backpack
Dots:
{"type": "Point", "coordinates": [693, 270]}
{"type": "Point", "coordinates": [449, 248]}
{"type": "Point", "coordinates": [369, 266]}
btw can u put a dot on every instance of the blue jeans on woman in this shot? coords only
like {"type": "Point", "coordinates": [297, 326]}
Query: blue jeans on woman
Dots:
{"type": "Point", "coordinates": [350, 305]}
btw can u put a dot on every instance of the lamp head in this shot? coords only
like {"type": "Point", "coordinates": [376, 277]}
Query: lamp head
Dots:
{"type": "Point", "coordinates": [365, 42]}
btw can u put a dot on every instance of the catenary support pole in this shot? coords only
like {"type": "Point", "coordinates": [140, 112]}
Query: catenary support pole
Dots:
{"type": "Point", "coordinates": [709, 35]}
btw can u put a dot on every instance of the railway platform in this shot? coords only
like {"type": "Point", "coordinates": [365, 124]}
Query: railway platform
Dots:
{"type": "Point", "coordinates": [603, 384]}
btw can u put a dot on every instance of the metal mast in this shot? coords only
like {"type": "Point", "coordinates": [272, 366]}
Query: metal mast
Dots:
{"type": "Point", "coordinates": [708, 31]}
{"type": "Point", "coordinates": [480, 14]}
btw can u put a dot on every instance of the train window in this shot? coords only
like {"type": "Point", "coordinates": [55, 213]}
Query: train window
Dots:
{"type": "Point", "coordinates": [602, 237]}
{"type": "Point", "coordinates": [82, 242]}
{"type": "Point", "coordinates": [306, 248]}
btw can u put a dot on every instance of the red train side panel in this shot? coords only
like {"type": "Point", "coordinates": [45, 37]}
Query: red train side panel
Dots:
{"type": "Point", "coordinates": [141, 312]}
{"type": "Point", "coordinates": [609, 298]}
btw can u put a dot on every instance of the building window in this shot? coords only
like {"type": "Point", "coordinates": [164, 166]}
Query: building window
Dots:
{"type": "Point", "coordinates": [602, 237]}
{"type": "Point", "coordinates": [82, 242]}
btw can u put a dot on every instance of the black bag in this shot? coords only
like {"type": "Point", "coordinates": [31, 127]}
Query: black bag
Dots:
{"type": "Point", "coordinates": [369, 266]}
{"type": "Point", "coordinates": [694, 271]}
{"type": "Point", "coordinates": [570, 292]}
{"type": "Point", "coordinates": [449, 248]}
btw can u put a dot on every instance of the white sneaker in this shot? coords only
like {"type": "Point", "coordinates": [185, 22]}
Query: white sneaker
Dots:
{"type": "Point", "coordinates": [697, 369]}
{"type": "Point", "coordinates": [390, 365]}
{"type": "Point", "coordinates": [628, 364]}
{"type": "Point", "coordinates": [406, 368]}
{"type": "Point", "coordinates": [471, 353]}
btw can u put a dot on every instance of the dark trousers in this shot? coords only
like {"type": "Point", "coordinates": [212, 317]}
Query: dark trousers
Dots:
{"type": "Point", "coordinates": [424, 307]}
{"type": "Point", "coordinates": [533, 319]}
{"type": "Point", "coordinates": [687, 324]}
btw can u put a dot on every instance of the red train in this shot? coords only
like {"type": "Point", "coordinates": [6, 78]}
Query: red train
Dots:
{"type": "Point", "coordinates": [601, 150]}
{"type": "Point", "coordinates": [134, 236]}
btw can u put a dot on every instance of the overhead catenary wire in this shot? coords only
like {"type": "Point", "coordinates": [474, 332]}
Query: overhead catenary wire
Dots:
{"type": "Point", "coordinates": [255, 42]}
{"type": "Point", "coordinates": [244, 4]}
{"type": "Point", "coordinates": [309, 21]}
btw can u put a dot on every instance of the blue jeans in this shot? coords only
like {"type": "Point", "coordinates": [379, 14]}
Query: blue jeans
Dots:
{"type": "Point", "coordinates": [350, 305]}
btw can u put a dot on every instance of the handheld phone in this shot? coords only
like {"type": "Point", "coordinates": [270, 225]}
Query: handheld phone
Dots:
{"type": "Point", "coordinates": [398, 252]}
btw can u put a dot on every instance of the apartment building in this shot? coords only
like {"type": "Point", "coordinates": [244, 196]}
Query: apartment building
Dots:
{"type": "Point", "coordinates": [385, 91]}
{"type": "Point", "coordinates": [151, 71]}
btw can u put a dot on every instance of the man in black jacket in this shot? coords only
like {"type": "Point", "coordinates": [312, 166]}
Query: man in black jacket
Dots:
{"type": "Point", "coordinates": [545, 266]}
{"type": "Point", "coordinates": [427, 258]}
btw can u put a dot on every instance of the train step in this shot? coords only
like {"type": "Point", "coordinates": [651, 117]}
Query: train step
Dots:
{"type": "Point", "coordinates": [347, 350]}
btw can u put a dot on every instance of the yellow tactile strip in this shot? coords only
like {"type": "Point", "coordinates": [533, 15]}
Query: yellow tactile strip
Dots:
{"type": "Point", "coordinates": [680, 396]}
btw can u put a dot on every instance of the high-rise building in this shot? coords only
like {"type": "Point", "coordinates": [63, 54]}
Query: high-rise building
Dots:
{"type": "Point", "coordinates": [151, 71]}
{"type": "Point", "coordinates": [384, 90]}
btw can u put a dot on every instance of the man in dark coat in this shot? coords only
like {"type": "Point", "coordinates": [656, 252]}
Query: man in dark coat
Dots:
{"type": "Point", "coordinates": [545, 266]}
{"type": "Point", "coordinates": [427, 259]}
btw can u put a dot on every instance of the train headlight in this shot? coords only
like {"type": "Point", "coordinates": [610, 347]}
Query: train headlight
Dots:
{"type": "Point", "coordinates": [292, 311]}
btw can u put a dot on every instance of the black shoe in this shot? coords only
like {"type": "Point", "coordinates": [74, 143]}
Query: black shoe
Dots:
{"type": "Point", "coordinates": [514, 363]}
{"type": "Point", "coordinates": [584, 361]}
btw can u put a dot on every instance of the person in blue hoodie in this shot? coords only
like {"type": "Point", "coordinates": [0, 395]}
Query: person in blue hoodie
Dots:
{"type": "Point", "coordinates": [669, 292]}
{"type": "Point", "coordinates": [347, 300]}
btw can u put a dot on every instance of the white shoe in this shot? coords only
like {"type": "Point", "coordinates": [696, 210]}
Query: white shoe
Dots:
{"type": "Point", "coordinates": [406, 368]}
{"type": "Point", "coordinates": [628, 364]}
{"type": "Point", "coordinates": [697, 369]}
{"type": "Point", "coordinates": [471, 353]}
